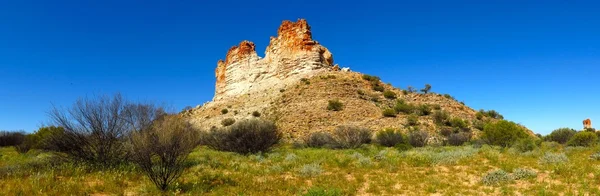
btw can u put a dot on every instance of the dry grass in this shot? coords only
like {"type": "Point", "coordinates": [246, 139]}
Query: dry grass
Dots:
{"type": "Point", "coordinates": [370, 170]}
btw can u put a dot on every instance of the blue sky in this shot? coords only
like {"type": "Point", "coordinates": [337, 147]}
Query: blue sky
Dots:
{"type": "Point", "coordinates": [536, 62]}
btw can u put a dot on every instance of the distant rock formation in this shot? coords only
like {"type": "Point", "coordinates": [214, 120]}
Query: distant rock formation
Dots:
{"type": "Point", "coordinates": [292, 54]}
{"type": "Point", "coordinates": [587, 124]}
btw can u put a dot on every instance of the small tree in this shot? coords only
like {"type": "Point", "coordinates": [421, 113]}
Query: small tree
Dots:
{"type": "Point", "coordinates": [503, 133]}
{"type": "Point", "coordinates": [161, 150]}
{"type": "Point", "coordinates": [426, 89]}
{"type": "Point", "coordinates": [562, 135]}
{"type": "Point", "coordinates": [410, 89]}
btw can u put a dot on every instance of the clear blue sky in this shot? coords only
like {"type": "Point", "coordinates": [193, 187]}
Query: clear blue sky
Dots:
{"type": "Point", "coordinates": [537, 63]}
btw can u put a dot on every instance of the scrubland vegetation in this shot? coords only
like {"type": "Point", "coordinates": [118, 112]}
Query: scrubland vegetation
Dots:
{"type": "Point", "coordinates": [110, 146]}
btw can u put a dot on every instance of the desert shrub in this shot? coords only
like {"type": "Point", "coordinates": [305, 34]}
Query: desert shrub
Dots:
{"type": "Point", "coordinates": [433, 156]}
{"type": "Point", "coordinates": [503, 133]}
{"type": "Point", "coordinates": [426, 89]}
{"type": "Point", "coordinates": [404, 92]}
{"type": "Point", "coordinates": [478, 124]}
{"type": "Point", "coordinates": [496, 177]}
{"type": "Point", "coordinates": [418, 138]}
{"type": "Point", "coordinates": [553, 158]}
{"type": "Point", "coordinates": [11, 138]}
{"type": "Point", "coordinates": [389, 112]}
{"type": "Point", "coordinates": [583, 138]}
{"type": "Point", "coordinates": [412, 120]}
{"type": "Point", "coordinates": [305, 80]}
{"type": "Point", "coordinates": [227, 122]}
{"type": "Point", "coordinates": [446, 131]}
{"type": "Point", "coordinates": [410, 89]}
{"type": "Point", "coordinates": [224, 111]}
{"type": "Point", "coordinates": [320, 139]}
{"type": "Point", "coordinates": [244, 137]}
{"type": "Point", "coordinates": [490, 113]}
{"type": "Point", "coordinates": [96, 129]}
{"type": "Point", "coordinates": [377, 87]}
{"type": "Point", "coordinates": [370, 78]}
{"type": "Point", "coordinates": [524, 173]}
{"type": "Point", "coordinates": [389, 94]}
{"type": "Point", "coordinates": [479, 116]}
{"type": "Point", "coordinates": [39, 139]}
{"type": "Point", "coordinates": [389, 137]}
{"type": "Point", "coordinates": [525, 144]}
{"type": "Point", "coordinates": [562, 135]}
{"type": "Point", "coordinates": [459, 123]}
{"type": "Point", "coordinates": [457, 139]}
{"type": "Point", "coordinates": [402, 107]}
{"type": "Point", "coordinates": [595, 156]}
{"type": "Point", "coordinates": [448, 96]}
{"type": "Point", "coordinates": [360, 92]}
{"type": "Point", "coordinates": [335, 105]}
{"type": "Point", "coordinates": [424, 110]}
{"type": "Point", "coordinates": [256, 114]}
{"type": "Point", "coordinates": [351, 137]}
{"type": "Point", "coordinates": [310, 170]}
{"type": "Point", "coordinates": [162, 149]}
{"type": "Point", "coordinates": [437, 107]}
{"type": "Point", "coordinates": [441, 117]}
{"type": "Point", "coordinates": [590, 129]}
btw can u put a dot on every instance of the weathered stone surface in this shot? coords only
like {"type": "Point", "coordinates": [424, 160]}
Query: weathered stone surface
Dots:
{"type": "Point", "coordinates": [291, 55]}
{"type": "Point", "coordinates": [587, 123]}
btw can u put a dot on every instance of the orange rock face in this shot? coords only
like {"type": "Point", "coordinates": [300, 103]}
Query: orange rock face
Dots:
{"type": "Point", "coordinates": [293, 53]}
{"type": "Point", "coordinates": [587, 123]}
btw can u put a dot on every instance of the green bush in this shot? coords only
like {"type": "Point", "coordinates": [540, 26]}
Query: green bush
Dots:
{"type": "Point", "coordinates": [490, 113]}
{"type": "Point", "coordinates": [377, 87]}
{"type": "Point", "coordinates": [458, 139]}
{"type": "Point", "coordinates": [418, 138]}
{"type": "Point", "coordinates": [402, 107]}
{"type": "Point", "coordinates": [351, 137]}
{"type": "Point", "coordinates": [256, 114]}
{"type": "Point", "coordinates": [244, 137]}
{"type": "Point", "coordinates": [524, 173]}
{"type": "Point", "coordinates": [370, 78]}
{"type": "Point", "coordinates": [389, 137]}
{"type": "Point", "coordinates": [562, 135]}
{"type": "Point", "coordinates": [554, 158]}
{"type": "Point", "coordinates": [389, 94]}
{"type": "Point", "coordinates": [412, 120]}
{"type": "Point", "coordinates": [496, 177]}
{"type": "Point", "coordinates": [424, 110]}
{"type": "Point", "coordinates": [503, 133]}
{"type": "Point", "coordinates": [459, 123]}
{"type": "Point", "coordinates": [40, 139]}
{"type": "Point", "coordinates": [525, 144]}
{"type": "Point", "coordinates": [389, 112]}
{"type": "Point", "coordinates": [441, 117]}
{"type": "Point", "coordinates": [583, 138]}
{"type": "Point", "coordinates": [335, 105]}
{"type": "Point", "coordinates": [224, 111]}
{"type": "Point", "coordinates": [227, 122]}
{"type": "Point", "coordinates": [320, 140]}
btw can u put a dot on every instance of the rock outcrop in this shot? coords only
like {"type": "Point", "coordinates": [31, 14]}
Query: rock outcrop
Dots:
{"type": "Point", "coordinates": [291, 55]}
{"type": "Point", "coordinates": [587, 124]}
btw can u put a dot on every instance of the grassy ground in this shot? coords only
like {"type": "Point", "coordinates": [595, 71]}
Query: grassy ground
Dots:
{"type": "Point", "coordinates": [370, 170]}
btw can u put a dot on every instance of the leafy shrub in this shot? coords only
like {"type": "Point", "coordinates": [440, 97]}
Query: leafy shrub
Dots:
{"type": "Point", "coordinates": [496, 177]}
{"type": "Point", "coordinates": [524, 173]}
{"type": "Point", "coordinates": [227, 122]}
{"type": "Point", "coordinates": [424, 110]}
{"type": "Point", "coordinates": [389, 94]}
{"type": "Point", "coordinates": [441, 117]}
{"type": "Point", "coordinates": [40, 139]}
{"type": "Point", "coordinates": [162, 149]}
{"type": "Point", "coordinates": [335, 105]}
{"type": "Point", "coordinates": [459, 123]}
{"type": "Point", "coordinates": [370, 78]}
{"type": "Point", "coordinates": [311, 170]}
{"type": "Point", "coordinates": [256, 114]}
{"type": "Point", "coordinates": [418, 138]}
{"type": "Point", "coordinates": [389, 112]}
{"type": "Point", "coordinates": [503, 133]}
{"type": "Point", "coordinates": [525, 144]}
{"type": "Point", "coordinates": [11, 138]}
{"type": "Point", "coordinates": [377, 87]}
{"type": "Point", "coordinates": [457, 139]}
{"type": "Point", "coordinates": [351, 137]}
{"type": "Point", "coordinates": [478, 124]}
{"type": "Point", "coordinates": [402, 107]}
{"type": "Point", "coordinates": [554, 158]}
{"type": "Point", "coordinates": [490, 113]}
{"type": "Point", "coordinates": [244, 137]}
{"type": "Point", "coordinates": [426, 89]}
{"type": "Point", "coordinates": [320, 139]}
{"type": "Point", "coordinates": [412, 120]}
{"type": "Point", "coordinates": [583, 138]}
{"type": "Point", "coordinates": [224, 111]}
{"type": "Point", "coordinates": [389, 137]}
{"type": "Point", "coordinates": [96, 129]}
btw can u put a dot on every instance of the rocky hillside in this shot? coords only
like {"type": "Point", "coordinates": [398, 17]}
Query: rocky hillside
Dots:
{"type": "Point", "coordinates": [294, 83]}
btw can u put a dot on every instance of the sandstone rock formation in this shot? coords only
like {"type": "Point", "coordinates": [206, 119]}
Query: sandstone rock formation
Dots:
{"type": "Point", "coordinates": [587, 124]}
{"type": "Point", "coordinates": [291, 55]}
